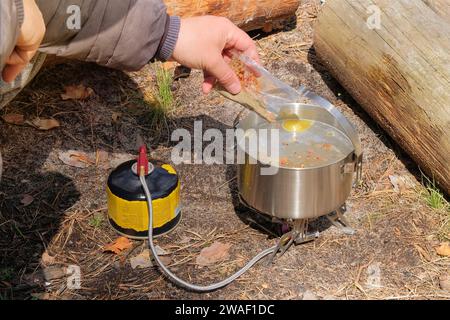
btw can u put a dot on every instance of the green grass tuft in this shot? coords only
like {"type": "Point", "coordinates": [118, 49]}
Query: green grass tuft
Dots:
{"type": "Point", "coordinates": [433, 195]}
{"type": "Point", "coordinates": [437, 201]}
{"type": "Point", "coordinates": [163, 100]}
{"type": "Point", "coordinates": [163, 93]}
{"type": "Point", "coordinates": [157, 101]}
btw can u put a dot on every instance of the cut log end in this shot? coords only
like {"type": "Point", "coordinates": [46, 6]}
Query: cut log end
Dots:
{"type": "Point", "coordinates": [398, 73]}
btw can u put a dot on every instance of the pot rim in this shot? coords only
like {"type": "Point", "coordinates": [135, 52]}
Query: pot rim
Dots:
{"type": "Point", "coordinates": [260, 163]}
{"type": "Point", "coordinates": [309, 105]}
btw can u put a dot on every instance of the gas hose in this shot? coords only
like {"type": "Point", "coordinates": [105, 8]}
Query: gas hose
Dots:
{"type": "Point", "coordinates": [173, 277]}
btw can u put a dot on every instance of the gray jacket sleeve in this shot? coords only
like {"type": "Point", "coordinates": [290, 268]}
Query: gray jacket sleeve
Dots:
{"type": "Point", "coordinates": [121, 34]}
{"type": "Point", "coordinates": [11, 18]}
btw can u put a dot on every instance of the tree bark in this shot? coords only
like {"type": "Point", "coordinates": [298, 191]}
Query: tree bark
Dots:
{"type": "Point", "coordinates": [441, 7]}
{"type": "Point", "coordinates": [247, 14]}
{"type": "Point", "coordinates": [399, 73]}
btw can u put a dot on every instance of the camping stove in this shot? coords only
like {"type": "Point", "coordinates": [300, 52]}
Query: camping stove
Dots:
{"type": "Point", "coordinates": [293, 196]}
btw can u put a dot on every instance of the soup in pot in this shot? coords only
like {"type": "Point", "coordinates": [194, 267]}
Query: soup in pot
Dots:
{"type": "Point", "coordinates": [304, 144]}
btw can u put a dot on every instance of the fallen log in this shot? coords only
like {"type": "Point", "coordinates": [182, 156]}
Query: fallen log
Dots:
{"type": "Point", "coordinates": [247, 14]}
{"type": "Point", "coordinates": [397, 70]}
{"type": "Point", "coordinates": [441, 7]}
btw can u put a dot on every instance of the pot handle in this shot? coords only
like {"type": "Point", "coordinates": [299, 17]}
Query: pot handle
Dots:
{"type": "Point", "coordinates": [348, 127]}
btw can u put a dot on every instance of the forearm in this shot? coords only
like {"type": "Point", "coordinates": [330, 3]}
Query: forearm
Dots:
{"type": "Point", "coordinates": [118, 34]}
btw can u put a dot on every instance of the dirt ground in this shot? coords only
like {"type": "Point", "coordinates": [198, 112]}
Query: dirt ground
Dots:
{"type": "Point", "coordinates": [391, 256]}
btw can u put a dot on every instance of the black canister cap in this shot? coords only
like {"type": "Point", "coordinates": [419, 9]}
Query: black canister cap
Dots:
{"type": "Point", "coordinates": [125, 184]}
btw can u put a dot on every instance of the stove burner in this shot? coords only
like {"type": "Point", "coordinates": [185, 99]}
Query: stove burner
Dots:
{"type": "Point", "coordinates": [296, 231]}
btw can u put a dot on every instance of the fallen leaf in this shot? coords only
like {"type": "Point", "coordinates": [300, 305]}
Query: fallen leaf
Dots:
{"type": "Point", "coordinates": [142, 260]}
{"type": "Point", "coordinates": [160, 251]}
{"type": "Point", "coordinates": [47, 259]}
{"type": "Point", "coordinates": [44, 124]}
{"type": "Point", "coordinates": [102, 159]}
{"type": "Point", "coordinates": [118, 245]}
{"type": "Point", "coordinates": [443, 249]}
{"type": "Point", "coordinates": [444, 282]}
{"type": "Point", "coordinates": [53, 273]}
{"type": "Point", "coordinates": [166, 260]}
{"type": "Point", "coordinates": [76, 159]}
{"type": "Point", "coordinates": [78, 92]}
{"type": "Point", "coordinates": [309, 295]}
{"type": "Point", "coordinates": [216, 252]}
{"type": "Point", "coordinates": [14, 118]}
{"type": "Point", "coordinates": [27, 200]}
{"type": "Point", "coordinates": [41, 295]}
{"type": "Point", "coordinates": [118, 158]}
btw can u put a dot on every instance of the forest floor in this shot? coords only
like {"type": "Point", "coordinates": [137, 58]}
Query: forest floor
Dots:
{"type": "Point", "coordinates": [54, 215]}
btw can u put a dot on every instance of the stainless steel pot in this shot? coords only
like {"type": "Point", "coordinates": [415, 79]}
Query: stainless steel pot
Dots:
{"type": "Point", "coordinates": [301, 193]}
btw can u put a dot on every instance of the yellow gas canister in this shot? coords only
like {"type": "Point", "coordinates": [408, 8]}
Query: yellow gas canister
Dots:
{"type": "Point", "coordinates": [127, 206]}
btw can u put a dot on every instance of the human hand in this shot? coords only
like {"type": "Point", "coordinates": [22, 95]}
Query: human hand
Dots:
{"type": "Point", "coordinates": [31, 34]}
{"type": "Point", "coordinates": [206, 43]}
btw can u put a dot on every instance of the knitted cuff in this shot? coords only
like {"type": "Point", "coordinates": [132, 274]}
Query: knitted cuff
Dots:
{"type": "Point", "coordinates": [169, 38]}
{"type": "Point", "coordinates": [20, 11]}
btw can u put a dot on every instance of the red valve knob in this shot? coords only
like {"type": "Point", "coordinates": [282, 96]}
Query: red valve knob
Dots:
{"type": "Point", "coordinates": [142, 162]}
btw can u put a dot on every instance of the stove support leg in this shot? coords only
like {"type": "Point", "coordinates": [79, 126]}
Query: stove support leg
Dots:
{"type": "Point", "coordinates": [303, 236]}
{"type": "Point", "coordinates": [338, 220]}
{"type": "Point", "coordinates": [297, 235]}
